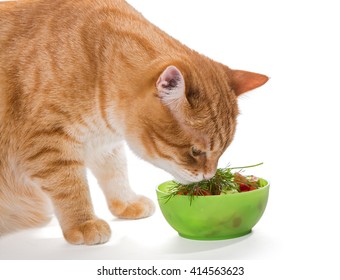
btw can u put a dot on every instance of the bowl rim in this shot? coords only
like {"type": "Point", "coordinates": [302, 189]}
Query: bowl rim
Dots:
{"type": "Point", "coordinates": [211, 196]}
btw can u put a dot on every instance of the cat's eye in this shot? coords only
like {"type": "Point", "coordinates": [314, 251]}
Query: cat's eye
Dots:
{"type": "Point", "coordinates": [196, 152]}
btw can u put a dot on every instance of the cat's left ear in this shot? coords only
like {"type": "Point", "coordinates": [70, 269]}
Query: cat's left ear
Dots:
{"type": "Point", "coordinates": [171, 86]}
{"type": "Point", "coordinates": [244, 81]}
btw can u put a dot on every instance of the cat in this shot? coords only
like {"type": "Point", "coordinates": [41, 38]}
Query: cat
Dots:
{"type": "Point", "coordinates": [79, 77]}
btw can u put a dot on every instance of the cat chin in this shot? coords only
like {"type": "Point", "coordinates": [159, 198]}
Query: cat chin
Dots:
{"type": "Point", "coordinates": [186, 182]}
{"type": "Point", "coordinates": [180, 175]}
{"type": "Point", "coordinates": [181, 180]}
{"type": "Point", "coordinates": [186, 179]}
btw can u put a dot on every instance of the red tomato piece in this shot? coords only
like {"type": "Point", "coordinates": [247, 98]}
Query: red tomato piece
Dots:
{"type": "Point", "coordinates": [244, 188]}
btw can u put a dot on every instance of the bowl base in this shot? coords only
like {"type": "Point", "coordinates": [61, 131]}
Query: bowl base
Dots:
{"type": "Point", "coordinates": [223, 237]}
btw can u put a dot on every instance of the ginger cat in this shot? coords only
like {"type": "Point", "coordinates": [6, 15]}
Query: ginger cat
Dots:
{"type": "Point", "coordinates": [79, 77]}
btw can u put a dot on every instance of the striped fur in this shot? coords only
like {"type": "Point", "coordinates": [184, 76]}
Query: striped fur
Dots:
{"type": "Point", "coordinates": [78, 77]}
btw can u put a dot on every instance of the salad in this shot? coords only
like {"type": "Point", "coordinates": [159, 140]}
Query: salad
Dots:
{"type": "Point", "coordinates": [224, 182]}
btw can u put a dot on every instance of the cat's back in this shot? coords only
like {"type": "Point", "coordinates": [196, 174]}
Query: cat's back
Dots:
{"type": "Point", "coordinates": [6, 19]}
{"type": "Point", "coordinates": [6, 24]}
{"type": "Point", "coordinates": [58, 35]}
{"type": "Point", "coordinates": [6, 6]}
{"type": "Point", "coordinates": [24, 22]}
{"type": "Point", "coordinates": [35, 24]}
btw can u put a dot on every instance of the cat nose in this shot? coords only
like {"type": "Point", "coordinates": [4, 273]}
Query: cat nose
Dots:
{"type": "Point", "coordinates": [209, 170]}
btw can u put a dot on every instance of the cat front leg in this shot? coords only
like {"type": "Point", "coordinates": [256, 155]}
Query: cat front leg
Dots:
{"type": "Point", "coordinates": [110, 170]}
{"type": "Point", "coordinates": [65, 183]}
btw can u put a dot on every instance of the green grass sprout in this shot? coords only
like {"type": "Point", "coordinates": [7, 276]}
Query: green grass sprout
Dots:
{"type": "Point", "coordinates": [224, 182]}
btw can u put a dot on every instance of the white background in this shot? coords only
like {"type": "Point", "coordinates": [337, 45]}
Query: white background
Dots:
{"type": "Point", "coordinates": [291, 124]}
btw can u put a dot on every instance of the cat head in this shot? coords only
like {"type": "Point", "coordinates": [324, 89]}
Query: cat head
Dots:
{"type": "Point", "coordinates": [187, 118]}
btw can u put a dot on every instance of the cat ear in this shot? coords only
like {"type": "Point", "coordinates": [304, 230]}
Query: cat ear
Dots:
{"type": "Point", "coordinates": [243, 81]}
{"type": "Point", "coordinates": [171, 86]}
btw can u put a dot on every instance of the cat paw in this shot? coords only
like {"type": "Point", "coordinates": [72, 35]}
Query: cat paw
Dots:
{"type": "Point", "coordinates": [90, 233]}
{"type": "Point", "coordinates": [141, 207]}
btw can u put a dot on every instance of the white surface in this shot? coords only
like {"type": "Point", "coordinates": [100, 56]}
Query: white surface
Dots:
{"type": "Point", "coordinates": [291, 124]}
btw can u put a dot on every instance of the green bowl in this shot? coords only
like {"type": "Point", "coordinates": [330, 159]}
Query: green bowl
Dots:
{"type": "Point", "coordinates": [213, 217]}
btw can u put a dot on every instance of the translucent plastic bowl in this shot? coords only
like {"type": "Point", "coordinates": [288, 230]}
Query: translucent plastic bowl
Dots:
{"type": "Point", "coordinates": [213, 217]}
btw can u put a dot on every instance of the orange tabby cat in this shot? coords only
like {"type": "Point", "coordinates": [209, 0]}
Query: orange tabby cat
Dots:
{"type": "Point", "coordinates": [78, 77]}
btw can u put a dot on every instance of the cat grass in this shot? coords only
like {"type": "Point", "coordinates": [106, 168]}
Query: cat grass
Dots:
{"type": "Point", "coordinates": [225, 182]}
